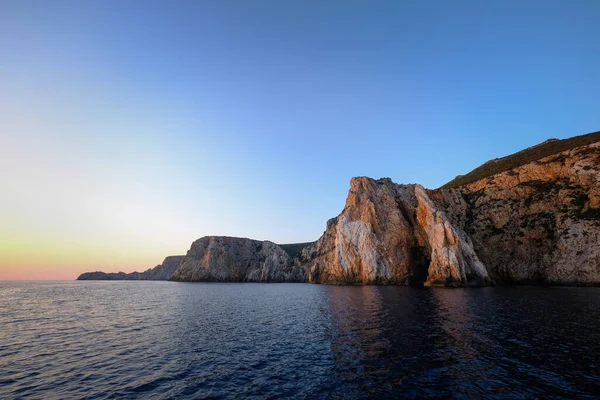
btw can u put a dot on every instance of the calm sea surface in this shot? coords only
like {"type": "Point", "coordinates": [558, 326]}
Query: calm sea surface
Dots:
{"type": "Point", "coordinates": [67, 340]}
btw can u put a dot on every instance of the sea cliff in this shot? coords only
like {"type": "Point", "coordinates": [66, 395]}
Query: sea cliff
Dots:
{"type": "Point", "coordinates": [515, 220]}
{"type": "Point", "coordinates": [231, 259]}
{"type": "Point", "coordinates": [393, 234]}
{"type": "Point", "coordinates": [529, 218]}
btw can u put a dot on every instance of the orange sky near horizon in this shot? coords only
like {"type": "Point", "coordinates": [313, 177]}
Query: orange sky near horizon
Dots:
{"type": "Point", "coordinates": [46, 258]}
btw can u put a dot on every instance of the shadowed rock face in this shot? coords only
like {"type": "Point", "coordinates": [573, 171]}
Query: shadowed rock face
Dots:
{"type": "Point", "coordinates": [230, 259]}
{"type": "Point", "coordinates": [164, 271]}
{"type": "Point", "coordinates": [393, 234]}
{"type": "Point", "coordinates": [453, 259]}
{"type": "Point", "coordinates": [161, 272]}
{"type": "Point", "coordinates": [104, 276]}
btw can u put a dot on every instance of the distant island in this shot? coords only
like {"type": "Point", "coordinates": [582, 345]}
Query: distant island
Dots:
{"type": "Point", "coordinates": [529, 218]}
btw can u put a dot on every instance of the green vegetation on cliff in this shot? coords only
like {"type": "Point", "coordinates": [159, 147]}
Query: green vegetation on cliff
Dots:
{"type": "Point", "coordinates": [545, 149]}
{"type": "Point", "coordinates": [295, 249]}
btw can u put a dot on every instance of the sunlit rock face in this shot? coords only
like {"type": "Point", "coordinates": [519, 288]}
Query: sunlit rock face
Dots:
{"type": "Point", "coordinates": [393, 234]}
{"type": "Point", "coordinates": [231, 259]}
{"type": "Point", "coordinates": [538, 223]}
{"type": "Point", "coordinates": [453, 259]}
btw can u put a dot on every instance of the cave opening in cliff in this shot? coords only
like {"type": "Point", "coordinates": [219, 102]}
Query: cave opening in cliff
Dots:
{"type": "Point", "coordinates": [419, 266]}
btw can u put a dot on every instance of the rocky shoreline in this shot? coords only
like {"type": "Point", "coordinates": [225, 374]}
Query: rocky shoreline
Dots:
{"type": "Point", "coordinates": [537, 222]}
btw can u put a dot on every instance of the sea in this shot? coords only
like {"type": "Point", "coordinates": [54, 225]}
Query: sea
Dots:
{"type": "Point", "coordinates": [170, 340]}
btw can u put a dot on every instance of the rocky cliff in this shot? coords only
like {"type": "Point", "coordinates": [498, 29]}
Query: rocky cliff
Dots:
{"type": "Point", "coordinates": [539, 222]}
{"type": "Point", "coordinates": [519, 219]}
{"type": "Point", "coordinates": [230, 259]}
{"type": "Point", "coordinates": [531, 217]}
{"type": "Point", "coordinates": [161, 272]}
{"type": "Point", "coordinates": [165, 270]}
{"type": "Point", "coordinates": [393, 234]}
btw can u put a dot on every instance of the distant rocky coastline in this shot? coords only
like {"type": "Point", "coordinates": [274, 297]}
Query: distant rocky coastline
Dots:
{"type": "Point", "coordinates": [230, 259]}
{"type": "Point", "coordinates": [529, 218]}
{"type": "Point", "coordinates": [161, 272]}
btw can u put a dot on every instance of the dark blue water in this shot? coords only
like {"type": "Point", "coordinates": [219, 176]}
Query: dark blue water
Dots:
{"type": "Point", "coordinates": [68, 340]}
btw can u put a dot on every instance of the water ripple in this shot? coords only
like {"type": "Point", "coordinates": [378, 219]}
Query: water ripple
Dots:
{"type": "Point", "coordinates": [162, 340]}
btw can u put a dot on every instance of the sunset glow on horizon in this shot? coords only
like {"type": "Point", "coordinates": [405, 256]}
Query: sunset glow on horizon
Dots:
{"type": "Point", "coordinates": [130, 129]}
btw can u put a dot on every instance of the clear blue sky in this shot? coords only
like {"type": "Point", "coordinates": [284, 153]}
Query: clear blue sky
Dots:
{"type": "Point", "coordinates": [130, 128]}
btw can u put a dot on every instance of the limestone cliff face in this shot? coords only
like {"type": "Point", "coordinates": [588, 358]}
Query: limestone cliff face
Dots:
{"type": "Point", "coordinates": [538, 223]}
{"type": "Point", "coordinates": [453, 259]}
{"type": "Point", "coordinates": [393, 234]}
{"type": "Point", "coordinates": [230, 259]}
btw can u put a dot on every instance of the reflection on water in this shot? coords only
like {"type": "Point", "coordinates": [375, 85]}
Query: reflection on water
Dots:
{"type": "Point", "coordinates": [174, 340]}
{"type": "Point", "coordinates": [493, 342]}
{"type": "Point", "coordinates": [356, 316]}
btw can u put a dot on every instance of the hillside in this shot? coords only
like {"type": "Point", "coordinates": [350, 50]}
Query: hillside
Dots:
{"type": "Point", "coordinates": [499, 165]}
{"type": "Point", "coordinates": [295, 249]}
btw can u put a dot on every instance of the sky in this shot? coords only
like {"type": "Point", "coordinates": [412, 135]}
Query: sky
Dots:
{"type": "Point", "coordinates": [128, 129]}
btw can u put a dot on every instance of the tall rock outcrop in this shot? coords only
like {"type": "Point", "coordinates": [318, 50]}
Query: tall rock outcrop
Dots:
{"type": "Point", "coordinates": [531, 217]}
{"type": "Point", "coordinates": [231, 259]}
{"type": "Point", "coordinates": [393, 234]}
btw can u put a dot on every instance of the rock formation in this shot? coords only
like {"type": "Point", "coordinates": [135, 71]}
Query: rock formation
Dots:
{"type": "Point", "coordinates": [393, 234]}
{"type": "Point", "coordinates": [539, 222]}
{"type": "Point", "coordinates": [531, 217]}
{"type": "Point", "coordinates": [230, 259]}
{"type": "Point", "coordinates": [161, 272]}
{"type": "Point", "coordinates": [518, 219]}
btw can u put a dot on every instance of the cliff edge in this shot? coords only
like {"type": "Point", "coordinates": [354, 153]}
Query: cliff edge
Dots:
{"type": "Point", "coordinates": [539, 222]}
{"type": "Point", "coordinates": [393, 234]}
{"type": "Point", "coordinates": [232, 259]}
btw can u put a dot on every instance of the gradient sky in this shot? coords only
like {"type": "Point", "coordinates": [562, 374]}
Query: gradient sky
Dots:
{"type": "Point", "coordinates": [128, 129]}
